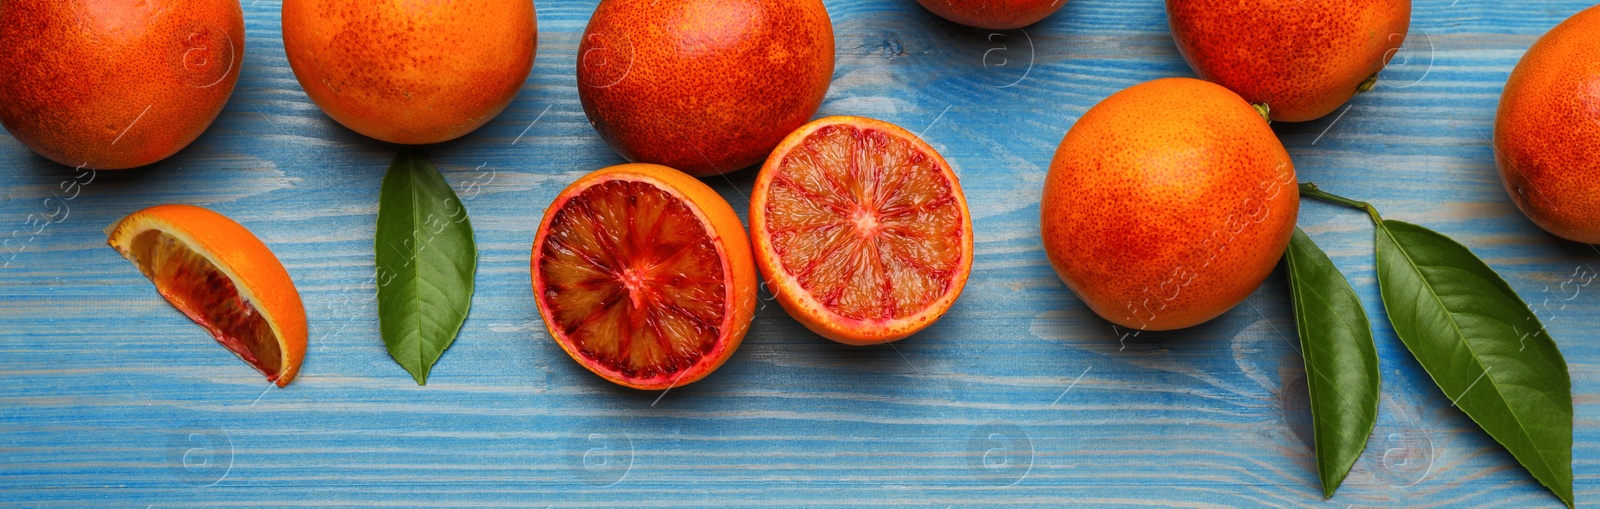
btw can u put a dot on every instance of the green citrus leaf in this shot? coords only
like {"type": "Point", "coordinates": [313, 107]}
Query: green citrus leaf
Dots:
{"type": "Point", "coordinates": [1482, 345]}
{"type": "Point", "coordinates": [425, 259]}
{"type": "Point", "coordinates": [1341, 360]}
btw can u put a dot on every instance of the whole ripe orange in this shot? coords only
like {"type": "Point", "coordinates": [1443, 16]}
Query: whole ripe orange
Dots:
{"type": "Point", "coordinates": [1302, 59]}
{"type": "Point", "coordinates": [224, 278]}
{"type": "Point", "coordinates": [644, 276]}
{"type": "Point", "coordinates": [1548, 128]}
{"type": "Point", "coordinates": [1167, 204]}
{"type": "Point", "coordinates": [112, 84]}
{"type": "Point", "coordinates": [708, 86]}
{"type": "Point", "coordinates": [410, 72]}
{"type": "Point", "coordinates": [994, 14]}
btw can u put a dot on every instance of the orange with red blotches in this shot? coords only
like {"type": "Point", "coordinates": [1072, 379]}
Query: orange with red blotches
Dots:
{"type": "Point", "coordinates": [410, 72]}
{"type": "Point", "coordinates": [1548, 126]}
{"type": "Point", "coordinates": [708, 86]}
{"type": "Point", "coordinates": [1303, 59]}
{"type": "Point", "coordinates": [1167, 204]}
{"type": "Point", "coordinates": [994, 14]}
{"type": "Point", "coordinates": [113, 84]}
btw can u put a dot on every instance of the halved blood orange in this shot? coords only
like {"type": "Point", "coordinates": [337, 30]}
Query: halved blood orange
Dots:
{"type": "Point", "coordinates": [643, 275]}
{"type": "Point", "coordinates": [224, 278]}
{"type": "Point", "coordinates": [861, 230]}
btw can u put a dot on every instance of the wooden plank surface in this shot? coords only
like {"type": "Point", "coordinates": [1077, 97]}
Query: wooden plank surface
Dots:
{"type": "Point", "coordinates": [1019, 396]}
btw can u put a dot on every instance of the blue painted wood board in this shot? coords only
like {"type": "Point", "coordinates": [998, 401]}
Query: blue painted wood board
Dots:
{"type": "Point", "coordinates": [1020, 396]}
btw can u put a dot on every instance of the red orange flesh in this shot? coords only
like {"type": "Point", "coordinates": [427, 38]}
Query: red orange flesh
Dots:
{"type": "Point", "coordinates": [643, 275]}
{"type": "Point", "coordinates": [861, 230]}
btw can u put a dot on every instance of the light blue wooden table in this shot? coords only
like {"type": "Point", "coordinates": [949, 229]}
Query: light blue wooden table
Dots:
{"type": "Point", "coordinates": [1019, 396]}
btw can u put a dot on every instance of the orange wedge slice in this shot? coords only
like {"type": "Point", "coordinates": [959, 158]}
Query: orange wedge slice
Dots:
{"type": "Point", "coordinates": [221, 276]}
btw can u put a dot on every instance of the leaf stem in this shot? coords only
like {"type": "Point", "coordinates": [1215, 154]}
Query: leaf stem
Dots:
{"type": "Point", "coordinates": [1310, 190]}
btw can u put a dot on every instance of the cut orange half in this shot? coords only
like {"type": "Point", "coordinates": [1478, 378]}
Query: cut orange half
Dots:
{"type": "Point", "coordinates": [860, 230]}
{"type": "Point", "coordinates": [221, 276]}
{"type": "Point", "coordinates": [643, 275]}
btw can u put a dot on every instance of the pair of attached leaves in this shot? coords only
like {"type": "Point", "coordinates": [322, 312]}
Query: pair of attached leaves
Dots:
{"type": "Point", "coordinates": [425, 257]}
{"type": "Point", "coordinates": [1477, 339]}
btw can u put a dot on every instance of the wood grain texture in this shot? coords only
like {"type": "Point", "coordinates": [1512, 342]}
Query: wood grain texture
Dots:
{"type": "Point", "coordinates": [1018, 397]}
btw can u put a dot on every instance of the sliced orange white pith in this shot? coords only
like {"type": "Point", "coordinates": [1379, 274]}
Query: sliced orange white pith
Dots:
{"type": "Point", "coordinates": [224, 278]}
{"type": "Point", "coordinates": [861, 230]}
{"type": "Point", "coordinates": [644, 276]}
